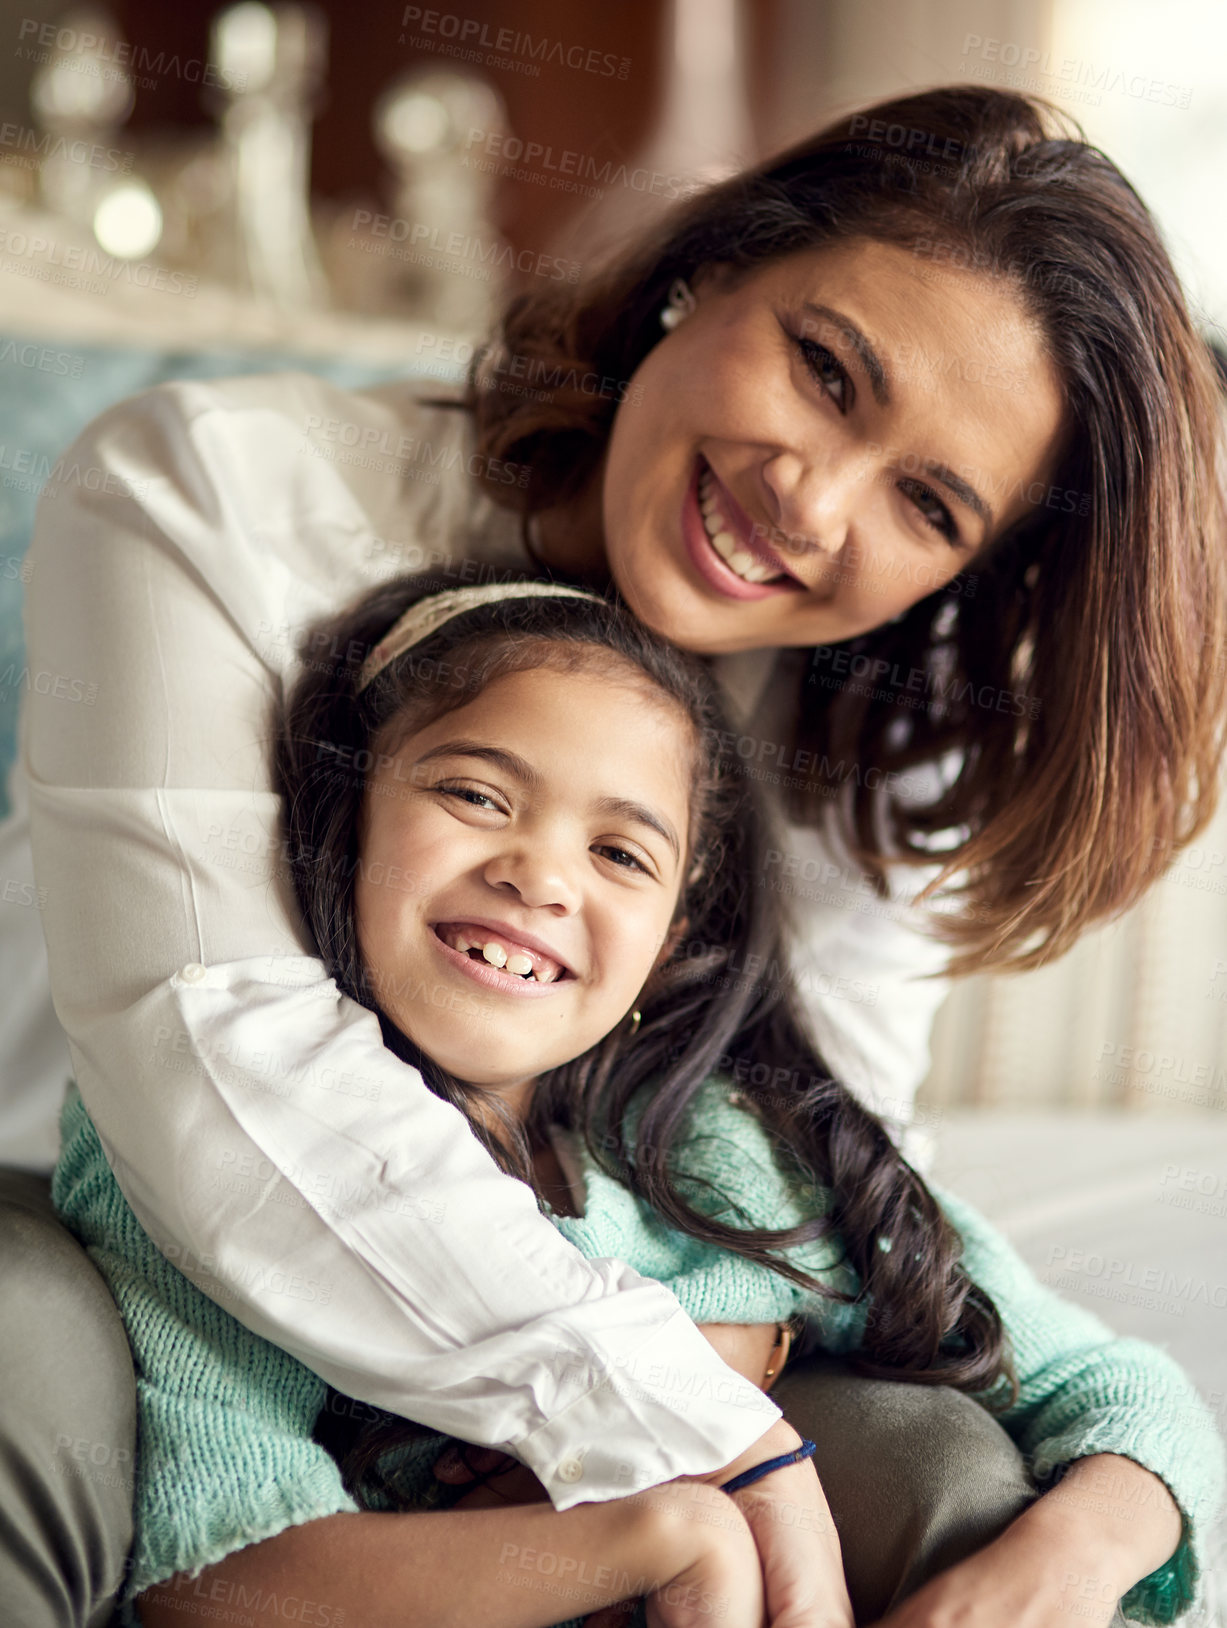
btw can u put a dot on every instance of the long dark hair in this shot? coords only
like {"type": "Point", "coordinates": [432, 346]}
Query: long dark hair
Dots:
{"type": "Point", "coordinates": [1100, 621]}
{"type": "Point", "coordinates": [704, 1011]}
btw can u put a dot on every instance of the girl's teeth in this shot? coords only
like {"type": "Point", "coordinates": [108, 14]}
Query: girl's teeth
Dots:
{"type": "Point", "coordinates": [517, 962]}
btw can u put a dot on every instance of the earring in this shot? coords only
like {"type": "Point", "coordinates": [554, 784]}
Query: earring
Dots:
{"type": "Point", "coordinates": [680, 304]}
{"type": "Point", "coordinates": [636, 1020]}
{"type": "Point", "coordinates": [783, 1338]}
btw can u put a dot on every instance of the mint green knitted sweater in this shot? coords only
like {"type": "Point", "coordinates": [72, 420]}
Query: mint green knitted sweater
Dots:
{"type": "Point", "coordinates": [225, 1455]}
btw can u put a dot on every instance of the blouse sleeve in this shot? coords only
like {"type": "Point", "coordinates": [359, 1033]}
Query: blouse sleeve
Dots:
{"type": "Point", "coordinates": [871, 973]}
{"type": "Point", "coordinates": [268, 1142]}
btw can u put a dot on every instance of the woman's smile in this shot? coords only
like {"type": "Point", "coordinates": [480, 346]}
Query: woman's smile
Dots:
{"type": "Point", "coordinates": [729, 549]}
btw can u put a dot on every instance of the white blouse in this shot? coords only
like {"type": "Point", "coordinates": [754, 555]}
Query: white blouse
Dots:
{"type": "Point", "coordinates": [277, 1152]}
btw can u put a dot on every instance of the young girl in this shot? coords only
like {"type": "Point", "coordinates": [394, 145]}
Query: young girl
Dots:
{"type": "Point", "coordinates": [518, 842]}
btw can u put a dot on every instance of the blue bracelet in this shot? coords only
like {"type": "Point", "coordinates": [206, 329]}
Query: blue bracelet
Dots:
{"type": "Point", "coordinates": [807, 1449]}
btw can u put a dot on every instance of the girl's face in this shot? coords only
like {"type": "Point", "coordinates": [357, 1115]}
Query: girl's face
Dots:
{"type": "Point", "coordinates": [521, 862]}
{"type": "Point", "coordinates": [821, 445]}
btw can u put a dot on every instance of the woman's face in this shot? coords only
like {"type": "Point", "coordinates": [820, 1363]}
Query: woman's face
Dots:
{"type": "Point", "coordinates": [521, 861]}
{"type": "Point", "coordinates": [824, 443]}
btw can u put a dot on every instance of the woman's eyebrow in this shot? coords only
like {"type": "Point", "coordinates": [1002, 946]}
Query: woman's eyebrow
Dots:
{"type": "Point", "coordinates": [511, 763]}
{"type": "Point", "coordinates": [879, 383]}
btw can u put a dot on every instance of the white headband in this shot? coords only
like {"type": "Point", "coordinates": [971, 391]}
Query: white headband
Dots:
{"type": "Point", "coordinates": [422, 619]}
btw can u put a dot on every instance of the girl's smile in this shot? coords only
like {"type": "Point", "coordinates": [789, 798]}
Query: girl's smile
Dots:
{"type": "Point", "coordinates": [545, 823]}
{"type": "Point", "coordinates": [500, 955]}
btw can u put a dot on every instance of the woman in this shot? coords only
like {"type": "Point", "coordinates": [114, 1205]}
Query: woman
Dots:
{"type": "Point", "coordinates": [958, 416]}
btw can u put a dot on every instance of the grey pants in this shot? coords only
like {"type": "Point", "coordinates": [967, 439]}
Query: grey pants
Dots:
{"type": "Point", "coordinates": [917, 1477]}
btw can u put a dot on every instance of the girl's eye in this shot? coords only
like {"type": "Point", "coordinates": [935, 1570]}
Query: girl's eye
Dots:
{"type": "Point", "coordinates": [622, 858]}
{"type": "Point", "coordinates": [932, 510]}
{"type": "Point", "coordinates": [471, 796]}
{"type": "Point", "coordinates": [827, 371]}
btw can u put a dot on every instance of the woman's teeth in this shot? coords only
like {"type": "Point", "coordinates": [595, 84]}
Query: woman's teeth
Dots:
{"type": "Point", "coordinates": [541, 970]}
{"type": "Point", "coordinates": [738, 559]}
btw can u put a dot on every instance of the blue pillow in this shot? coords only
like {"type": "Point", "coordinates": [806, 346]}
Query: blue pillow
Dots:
{"type": "Point", "coordinates": [42, 412]}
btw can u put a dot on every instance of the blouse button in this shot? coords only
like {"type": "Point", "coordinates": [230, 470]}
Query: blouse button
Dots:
{"type": "Point", "coordinates": [193, 972]}
{"type": "Point", "coordinates": [570, 1470]}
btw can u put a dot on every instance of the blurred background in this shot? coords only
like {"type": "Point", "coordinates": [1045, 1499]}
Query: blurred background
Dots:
{"type": "Point", "coordinates": [356, 187]}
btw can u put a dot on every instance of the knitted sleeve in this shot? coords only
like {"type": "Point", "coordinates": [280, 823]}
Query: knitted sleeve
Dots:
{"type": "Point", "coordinates": [725, 1166]}
{"type": "Point", "coordinates": [1082, 1391]}
{"type": "Point", "coordinates": [225, 1455]}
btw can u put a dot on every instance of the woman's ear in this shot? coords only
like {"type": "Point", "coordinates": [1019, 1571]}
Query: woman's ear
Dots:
{"type": "Point", "coordinates": [710, 278]}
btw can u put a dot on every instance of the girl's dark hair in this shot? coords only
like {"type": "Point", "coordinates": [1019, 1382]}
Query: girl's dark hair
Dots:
{"type": "Point", "coordinates": [703, 1012]}
{"type": "Point", "coordinates": [1084, 682]}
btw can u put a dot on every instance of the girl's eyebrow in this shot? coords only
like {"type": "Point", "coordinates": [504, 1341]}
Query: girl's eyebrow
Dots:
{"type": "Point", "coordinates": [624, 808]}
{"type": "Point", "coordinates": [511, 763]}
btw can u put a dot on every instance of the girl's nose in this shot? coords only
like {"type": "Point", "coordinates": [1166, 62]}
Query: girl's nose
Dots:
{"type": "Point", "coordinates": [812, 501]}
{"type": "Point", "coordinates": [538, 879]}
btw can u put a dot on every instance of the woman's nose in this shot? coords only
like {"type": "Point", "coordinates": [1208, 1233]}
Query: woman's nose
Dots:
{"type": "Point", "coordinates": [813, 502]}
{"type": "Point", "coordinates": [536, 876]}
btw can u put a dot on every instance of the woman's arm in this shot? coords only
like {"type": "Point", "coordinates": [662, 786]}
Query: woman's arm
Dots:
{"type": "Point", "coordinates": [273, 1148]}
{"type": "Point", "coordinates": [868, 972]}
{"type": "Point", "coordinates": [1075, 1552]}
{"type": "Point", "coordinates": [1138, 1454]}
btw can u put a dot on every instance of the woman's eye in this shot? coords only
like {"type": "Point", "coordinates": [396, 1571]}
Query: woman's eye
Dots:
{"type": "Point", "coordinates": [622, 857]}
{"type": "Point", "coordinates": [932, 510]}
{"type": "Point", "coordinates": [827, 371]}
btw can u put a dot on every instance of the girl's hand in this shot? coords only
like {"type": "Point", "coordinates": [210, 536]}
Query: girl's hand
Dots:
{"type": "Point", "coordinates": [717, 1576]}
{"type": "Point", "coordinates": [798, 1546]}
